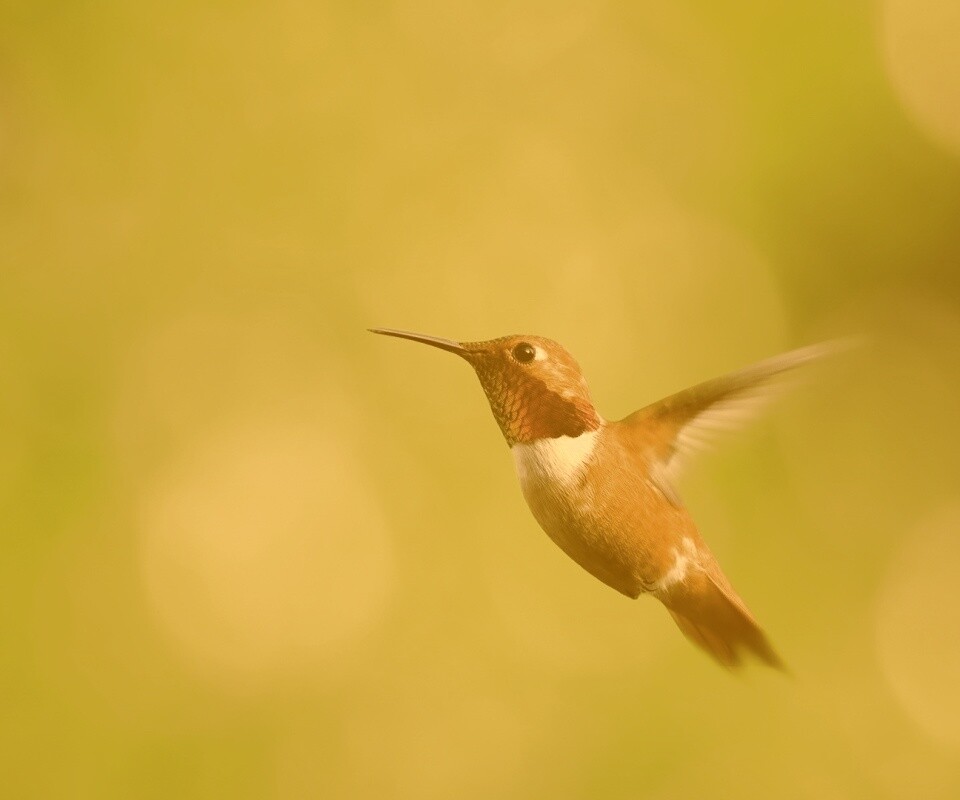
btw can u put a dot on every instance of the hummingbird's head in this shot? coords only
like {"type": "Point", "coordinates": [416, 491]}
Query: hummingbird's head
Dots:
{"type": "Point", "coordinates": [535, 387]}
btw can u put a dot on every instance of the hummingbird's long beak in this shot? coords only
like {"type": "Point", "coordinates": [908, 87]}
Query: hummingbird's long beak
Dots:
{"type": "Point", "coordinates": [435, 341]}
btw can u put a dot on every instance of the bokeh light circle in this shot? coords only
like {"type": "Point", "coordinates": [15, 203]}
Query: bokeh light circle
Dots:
{"type": "Point", "coordinates": [263, 551]}
{"type": "Point", "coordinates": [918, 625]}
{"type": "Point", "coordinates": [922, 56]}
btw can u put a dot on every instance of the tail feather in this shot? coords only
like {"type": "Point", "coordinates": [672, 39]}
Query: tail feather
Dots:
{"type": "Point", "coordinates": [713, 617]}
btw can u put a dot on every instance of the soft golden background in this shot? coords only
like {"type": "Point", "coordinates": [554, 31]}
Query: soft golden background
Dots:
{"type": "Point", "coordinates": [251, 551]}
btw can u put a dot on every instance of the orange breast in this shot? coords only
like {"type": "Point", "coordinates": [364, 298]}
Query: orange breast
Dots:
{"type": "Point", "coordinates": [608, 517]}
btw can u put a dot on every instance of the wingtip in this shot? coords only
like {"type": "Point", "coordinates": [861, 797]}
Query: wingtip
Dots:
{"type": "Point", "coordinates": [835, 347]}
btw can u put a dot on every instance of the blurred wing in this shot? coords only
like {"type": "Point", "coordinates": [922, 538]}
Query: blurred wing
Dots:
{"type": "Point", "coordinates": [688, 422]}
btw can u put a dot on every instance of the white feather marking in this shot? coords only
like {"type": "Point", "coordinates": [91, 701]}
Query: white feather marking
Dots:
{"type": "Point", "coordinates": [559, 460]}
{"type": "Point", "coordinates": [684, 557]}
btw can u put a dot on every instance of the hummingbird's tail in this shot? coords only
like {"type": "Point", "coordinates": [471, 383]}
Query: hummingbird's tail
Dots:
{"type": "Point", "coordinates": [712, 616]}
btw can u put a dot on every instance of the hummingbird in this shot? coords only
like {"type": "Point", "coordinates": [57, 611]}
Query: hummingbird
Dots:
{"type": "Point", "coordinates": [605, 491]}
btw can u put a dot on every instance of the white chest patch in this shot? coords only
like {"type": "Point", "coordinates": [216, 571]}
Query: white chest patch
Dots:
{"type": "Point", "coordinates": [559, 460]}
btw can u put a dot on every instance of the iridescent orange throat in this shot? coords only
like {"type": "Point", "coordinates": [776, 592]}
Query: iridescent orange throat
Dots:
{"type": "Point", "coordinates": [527, 410]}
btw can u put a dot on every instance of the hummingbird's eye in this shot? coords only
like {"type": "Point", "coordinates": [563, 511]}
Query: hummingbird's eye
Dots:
{"type": "Point", "coordinates": [524, 352]}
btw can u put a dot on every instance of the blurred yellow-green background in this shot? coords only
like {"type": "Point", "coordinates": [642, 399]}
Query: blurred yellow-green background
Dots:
{"type": "Point", "coordinates": [251, 551]}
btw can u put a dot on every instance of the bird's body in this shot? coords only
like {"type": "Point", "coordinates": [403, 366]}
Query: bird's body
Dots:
{"type": "Point", "coordinates": [595, 501]}
{"type": "Point", "coordinates": [604, 490]}
{"type": "Point", "coordinates": [589, 494]}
